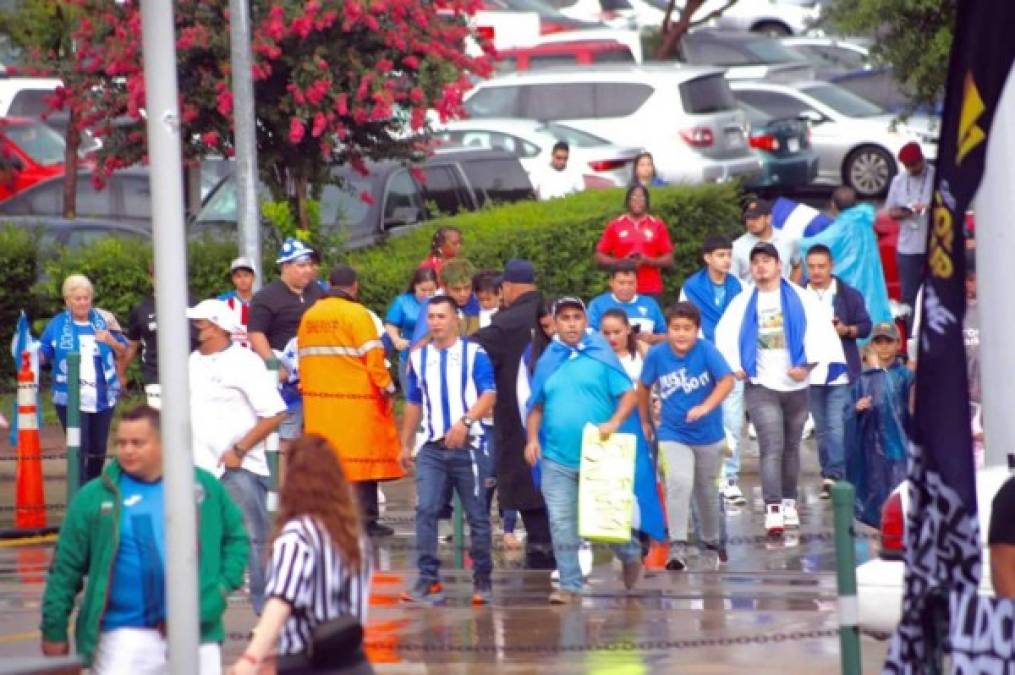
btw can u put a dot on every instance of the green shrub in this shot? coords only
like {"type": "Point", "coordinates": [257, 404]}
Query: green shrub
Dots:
{"type": "Point", "coordinates": [559, 237]}
{"type": "Point", "coordinates": [18, 270]}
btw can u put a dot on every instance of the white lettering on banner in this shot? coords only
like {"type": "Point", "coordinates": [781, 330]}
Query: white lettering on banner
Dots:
{"type": "Point", "coordinates": [937, 315]}
{"type": "Point", "coordinates": [680, 380]}
{"type": "Point", "coordinates": [982, 634]}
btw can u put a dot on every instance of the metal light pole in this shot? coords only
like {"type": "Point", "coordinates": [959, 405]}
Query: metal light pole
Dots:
{"type": "Point", "coordinates": [248, 222]}
{"type": "Point", "coordinates": [159, 41]}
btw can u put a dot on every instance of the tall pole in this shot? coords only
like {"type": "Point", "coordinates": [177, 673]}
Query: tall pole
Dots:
{"type": "Point", "coordinates": [173, 334]}
{"type": "Point", "coordinates": [995, 277]}
{"type": "Point", "coordinates": [248, 223]}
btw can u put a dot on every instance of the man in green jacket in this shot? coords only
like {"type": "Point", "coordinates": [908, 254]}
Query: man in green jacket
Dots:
{"type": "Point", "coordinates": [114, 534]}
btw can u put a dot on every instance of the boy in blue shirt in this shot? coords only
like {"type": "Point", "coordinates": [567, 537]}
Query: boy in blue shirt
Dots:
{"type": "Point", "coordinates": [642, 311]}
{"type": "Point", "coordinates": [711, 289]}
{"type": "Point", "coordinates": [693, 379]}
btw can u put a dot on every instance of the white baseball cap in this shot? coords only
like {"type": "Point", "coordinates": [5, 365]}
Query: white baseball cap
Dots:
{"type": "Point", "coordinates": [217, 312]}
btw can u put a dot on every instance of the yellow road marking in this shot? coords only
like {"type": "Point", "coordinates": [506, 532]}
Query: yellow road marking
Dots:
{"type": "Point", "coordinates": [28, 541]}
{"type": "Point", "coordinates": [19, 637]}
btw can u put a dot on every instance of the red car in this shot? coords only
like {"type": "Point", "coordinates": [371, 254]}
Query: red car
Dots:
{"type": "Point", "coordinates": [551, 54]}
{"type": "Point", "coordinates": [30, 152]}
{"type": "Point", "coordinates": [887, 230]}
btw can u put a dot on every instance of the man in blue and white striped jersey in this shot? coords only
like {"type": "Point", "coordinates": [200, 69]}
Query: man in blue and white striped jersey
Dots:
{"type": "Point", "coordinates": [450, 388]}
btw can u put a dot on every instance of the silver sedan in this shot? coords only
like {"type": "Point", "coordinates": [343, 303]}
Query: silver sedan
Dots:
{"type": "Point", "coordinates": [857, 142]}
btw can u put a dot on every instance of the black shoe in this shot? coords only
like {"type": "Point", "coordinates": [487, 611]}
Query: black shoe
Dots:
{"type": "Point", "coordinates": [377, 530]}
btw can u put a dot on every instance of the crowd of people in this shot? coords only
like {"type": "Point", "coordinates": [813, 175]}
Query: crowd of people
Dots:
{"type": "Point", "coordinates": [499, 384]}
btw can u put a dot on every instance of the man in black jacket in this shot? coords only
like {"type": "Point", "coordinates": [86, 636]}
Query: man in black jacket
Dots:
{"type": "Point", "coordinates": [829, 392]}
{"type": "Point", "coordinates": [505, 341]}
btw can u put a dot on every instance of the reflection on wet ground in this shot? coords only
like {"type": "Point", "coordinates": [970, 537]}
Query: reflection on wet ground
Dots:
{"type": "Point", "coordinates": [770, 609]}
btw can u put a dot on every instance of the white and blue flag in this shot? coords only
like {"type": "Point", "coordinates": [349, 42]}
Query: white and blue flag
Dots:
{"type": "Point", "coordinates": [798, 220]}
{"type": "Point", "coordinates": [22, 342]}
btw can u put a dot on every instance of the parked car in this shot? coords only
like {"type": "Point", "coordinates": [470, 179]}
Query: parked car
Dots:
{"type": "Point", "coordinates": [532, 143]}
{"type": "Point", "coordinates": [455, 180]}
{"type": "Point", "coordinates": [785, 149]}
{"type": "Point", "coordinates": [56, 231]}
{"type": "Point", "coordinates": [770, 17]}
{"type": "Point", "coordinates": [613, 13]}
{"type": "Point", "coordinates": [584, 52]}
{"type": "Point", "coordinates": [630, 38]}
{"type": "Point", "coordinates": [26, 96]}
{"type": "Point", "coordinates": [744, 55]}
{"type": "Point", "coordinates": [686, 117]}
{"type": "Point", "coordinates": [856, 141]}
{"type": "Point", "coordinates": [30, 152]}
{"type": "Point", "coordinates": [126, 198]}
{"type": "Point", "coordinates": [549, 19]}
{"type": "Point", "coordinates": [831, 56]}
{"type": "Point", "coordinates": [881, 581]}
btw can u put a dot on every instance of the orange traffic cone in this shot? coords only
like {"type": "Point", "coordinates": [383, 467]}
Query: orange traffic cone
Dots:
{"type": "Point", "coordinates": [29, 500]}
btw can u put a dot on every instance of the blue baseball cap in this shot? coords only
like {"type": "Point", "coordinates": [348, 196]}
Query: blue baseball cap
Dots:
{"type": "Point", "coordinates": [293, 250]}
{"type": "Point", "coordinates": [518, 271]}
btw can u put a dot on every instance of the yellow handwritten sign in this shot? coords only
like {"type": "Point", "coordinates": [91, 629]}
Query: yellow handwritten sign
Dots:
{"type": "Point", "coordinates": [606, 486]}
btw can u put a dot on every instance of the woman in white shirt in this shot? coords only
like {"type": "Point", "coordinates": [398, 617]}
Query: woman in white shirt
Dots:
{"type": "Point", "coordinates": [617, 330]}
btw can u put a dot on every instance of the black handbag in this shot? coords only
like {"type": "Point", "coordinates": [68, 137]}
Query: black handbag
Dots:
{"type": "Point", "coordinates": [336, 642]}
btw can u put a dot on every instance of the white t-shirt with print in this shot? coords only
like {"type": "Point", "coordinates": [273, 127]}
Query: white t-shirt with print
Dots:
{"type": "Point", "coordinates": [89, 378]}
{"type": "Point", "coordinates": [230, 391]}
{"type": "Point", "coordinates": [773, 353]}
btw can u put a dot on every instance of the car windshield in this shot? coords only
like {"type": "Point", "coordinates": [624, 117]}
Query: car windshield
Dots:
{"type": "Point", "coordinates": [843, 101]}
{"type": "Point", "coordinates": [770, 51]}
{"type": "Point", "coordinates": [572, 136]}
{"type": "Point", "coordinates": [38, 141]}
{"type": "Point", "coordinates": [341, 205]}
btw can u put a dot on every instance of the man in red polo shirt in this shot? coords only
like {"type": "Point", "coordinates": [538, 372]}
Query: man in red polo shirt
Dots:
{"type": "Point", "coordinates": [641, 238]}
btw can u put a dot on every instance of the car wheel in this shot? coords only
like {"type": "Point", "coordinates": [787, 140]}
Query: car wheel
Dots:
{"type": "Point", "coordinates": [772, 29]}
{"type": "Point", "coordinates": [868, 170]}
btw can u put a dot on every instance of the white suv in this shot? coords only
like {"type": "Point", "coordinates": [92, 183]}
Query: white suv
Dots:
{"type": "Point", "coordinates": [685, 116]}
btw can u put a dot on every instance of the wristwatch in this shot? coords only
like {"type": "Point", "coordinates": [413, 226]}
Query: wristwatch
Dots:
{"type": "Point", "coordinates": [238, 451]}
{"type": "Point", "coordinates": [467, 421]}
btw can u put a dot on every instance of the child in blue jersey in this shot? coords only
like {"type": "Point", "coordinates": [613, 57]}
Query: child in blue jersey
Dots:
{"type": "Point", "coordinates": [692, 379]}
{"type": "Point", "coordinates": [642, 311]}
{"type": "Point", "coordinates": [404, 311]}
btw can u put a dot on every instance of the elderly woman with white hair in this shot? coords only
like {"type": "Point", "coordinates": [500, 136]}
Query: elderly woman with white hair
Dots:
{"type": "Point", "coordinates": [95, 335]}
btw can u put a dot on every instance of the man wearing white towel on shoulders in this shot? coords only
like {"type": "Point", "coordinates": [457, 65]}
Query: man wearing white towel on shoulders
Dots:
{"type": "Point", "coordinates": [772, 336]}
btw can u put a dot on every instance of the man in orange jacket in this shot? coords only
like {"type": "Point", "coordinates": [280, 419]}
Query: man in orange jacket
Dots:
{"type": "Point", "coordinates": [347, 390]}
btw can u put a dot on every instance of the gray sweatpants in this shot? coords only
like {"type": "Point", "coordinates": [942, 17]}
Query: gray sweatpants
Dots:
{"type": "Point", "coordinates": [691, 472]}
{"type": "Point", "coordinates": [778, 418]}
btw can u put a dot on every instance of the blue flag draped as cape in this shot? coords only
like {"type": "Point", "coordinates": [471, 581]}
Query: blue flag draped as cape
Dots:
{"type": "Point", "coordinates": [698, 289]}
{"type": "Point", "coordinates": [594, 346]}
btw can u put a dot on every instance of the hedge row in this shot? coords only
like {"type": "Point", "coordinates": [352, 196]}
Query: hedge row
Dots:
{"type": "Point", "coordinates": [558, 237]}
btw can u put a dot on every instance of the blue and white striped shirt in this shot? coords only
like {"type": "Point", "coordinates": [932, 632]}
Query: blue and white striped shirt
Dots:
{"type": "Point", "coordinates": [445, 383]}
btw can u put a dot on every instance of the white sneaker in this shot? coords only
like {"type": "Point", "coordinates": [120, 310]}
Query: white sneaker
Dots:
{"type": "Point", "coordinates": [774, 523]}
{"type": "Point", "coordinates": [731, 492]}
{"type": "Point", "coordinates": [585, 559]}
{"type": "Point", "coordinates": [752, 433]}
{"type": "Point", "coordinates": [808, 428]}
{"type": "Point", "coordinates": [790, 517]}
{"type": "Point", "coordinates": [381, 499]}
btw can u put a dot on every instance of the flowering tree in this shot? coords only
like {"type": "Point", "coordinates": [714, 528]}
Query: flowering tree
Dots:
{"type": "Point", "coordinates": [335, 81]}
{"type": "Point", "coordinates": [43, 30]}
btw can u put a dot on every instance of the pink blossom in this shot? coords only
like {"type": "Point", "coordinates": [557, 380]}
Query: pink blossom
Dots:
{"type": "Point", "coordinates": [320, 122]}
{"type": "Point", "coordinates": [274, 25]}
{"type": "Point", "coordinates": [296, 130]}
{"type": "Point", "coordinates": [366, 197]}
{"type": "Point", "coordinates": [385, 65]}
{"type": "Point", "coordinates": [342, 104]}
{"type": "Point", "coordinates": [224, 103]}
{"type": "Point", "coordinates": [411, 62]}
{"type": "Point", "coordinates": [416, 95]}
{"type": "Point", "coordinates": [210, 138]}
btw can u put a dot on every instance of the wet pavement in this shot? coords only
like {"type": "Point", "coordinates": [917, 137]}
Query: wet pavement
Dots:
{"type": "Point", "coordinates": [770, 609]}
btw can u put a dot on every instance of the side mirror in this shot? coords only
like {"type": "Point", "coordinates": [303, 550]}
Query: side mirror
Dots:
{"type": "Point", "coordinates": [812, 117]}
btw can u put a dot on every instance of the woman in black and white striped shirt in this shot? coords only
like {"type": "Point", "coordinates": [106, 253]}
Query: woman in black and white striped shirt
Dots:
{"type": "Point", "coordinates": [320, 568]}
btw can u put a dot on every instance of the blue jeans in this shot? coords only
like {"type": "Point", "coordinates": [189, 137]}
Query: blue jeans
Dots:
{"type": "Point", "coordinates": [560, 491]}
{"type": "Point", "coordinates": [828, 404]}
{"type": "Point", "coordinates": [733, 425]}
{"type": "Point", "coordinates": [250, 492]}
{"type": "Point", "coordinates": [437, 469]}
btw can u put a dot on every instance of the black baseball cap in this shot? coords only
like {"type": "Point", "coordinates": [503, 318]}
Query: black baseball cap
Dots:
{"type": "Point", "coordinates": [567, 301]}
{"type": "Point", "coordinates": [764, 248]}
{"type": "Point", "coordinates": [756, 208]}
{"type": "Point", "coordinates": [518, 271]}
{"type": "Point", "coordinates": [885, 329]}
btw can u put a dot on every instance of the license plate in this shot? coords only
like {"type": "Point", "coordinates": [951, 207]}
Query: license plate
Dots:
{"type": "Point", "coordinates": [734, 137]}
{"type": "Point", "coordinates": [793, 145]}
